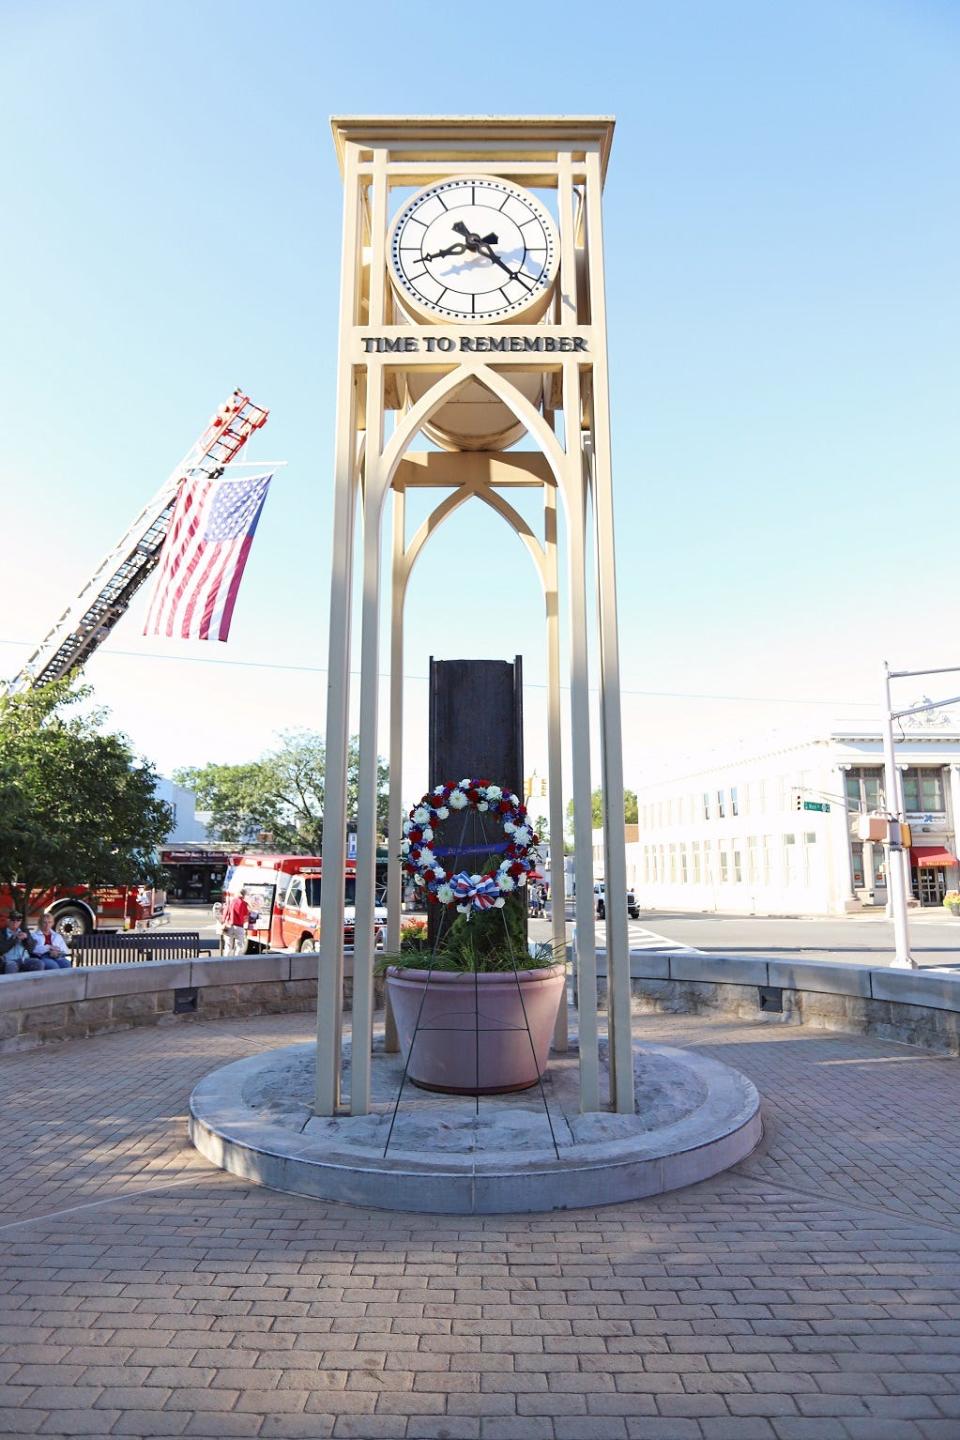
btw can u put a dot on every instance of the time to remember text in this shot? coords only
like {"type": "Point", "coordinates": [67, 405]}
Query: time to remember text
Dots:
{"type": "Point", "coordinates": [510, 344]}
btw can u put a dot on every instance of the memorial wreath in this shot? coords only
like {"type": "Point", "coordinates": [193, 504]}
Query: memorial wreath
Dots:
{"type": "Point", "coordinates": [468, 892]}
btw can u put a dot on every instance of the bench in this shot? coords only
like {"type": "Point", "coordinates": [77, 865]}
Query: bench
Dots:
{"type": "Point", "coordinates": [119, 947]}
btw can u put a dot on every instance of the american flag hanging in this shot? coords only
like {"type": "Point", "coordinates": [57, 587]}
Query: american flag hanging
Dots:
{"type": "Point", "coordinates": [204, 555]}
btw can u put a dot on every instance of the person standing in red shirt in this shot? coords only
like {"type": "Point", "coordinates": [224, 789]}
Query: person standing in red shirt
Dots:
{"type": "Point", "coordinates": [236, 913]}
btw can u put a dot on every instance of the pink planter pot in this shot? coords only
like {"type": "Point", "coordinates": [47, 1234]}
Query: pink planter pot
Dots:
{"type": "Point", "coordinates": [445, 1054]}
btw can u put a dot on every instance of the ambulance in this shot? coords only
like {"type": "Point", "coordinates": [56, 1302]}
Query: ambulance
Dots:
{"type": "Point", "coordinates": [283, 892]}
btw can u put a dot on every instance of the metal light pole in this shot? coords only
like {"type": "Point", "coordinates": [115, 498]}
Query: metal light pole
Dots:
{"type": "Point", "coordinates": [896, 867]}
{"type": "Point", "coordinates": [896, 878]}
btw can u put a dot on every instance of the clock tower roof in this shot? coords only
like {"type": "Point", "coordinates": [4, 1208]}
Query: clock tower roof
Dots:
{"type": "Point", "coordinates": [451, 135]}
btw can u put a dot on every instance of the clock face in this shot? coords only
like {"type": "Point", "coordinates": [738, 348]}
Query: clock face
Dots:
{"type": "Point", "coordinates": [475, 249]}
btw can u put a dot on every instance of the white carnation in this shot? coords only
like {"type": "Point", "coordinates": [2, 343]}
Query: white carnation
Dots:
{"type": "Point", "coordinates": [439, 874]}
{"type": "Point", "coordinates": [457, 800]}
{"type": "Point", "coordinates": [465, 783]}
{"type": "Point", "coordinates": [505, 881]}
{"type": "Point", "coordinates": [513, 800]}
{"type": "Point", "coordinates": [426, 856]}
{"type": "Point", "coordinates": [483, 805]}
{"type": "Point", "coordinates": [443, 813]}
{"type": "Point", "coordinates": [509, 826]}
{"type": "Point", "coordinates": [444, 894]}
{"type": "Point", "coordinates": [522, 835]}
{"type": "Point", "coordinates": [438, 789]}
{"type": "Point", "coordinates": [427, 833]}
{"type": "Point", "coordinates": [418, 879]}
{"type": "Point", "coordinates": [494, 792]}
{"type": "Point", "coordinates": [404, 847]}
{"type": "Point", "coordinates": [421, 815]}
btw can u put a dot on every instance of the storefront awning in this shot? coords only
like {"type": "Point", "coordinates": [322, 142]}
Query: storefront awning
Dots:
{"type": "Point", "coordinates": [929, 855]}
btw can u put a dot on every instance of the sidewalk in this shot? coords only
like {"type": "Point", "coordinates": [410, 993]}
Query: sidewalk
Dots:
{"type": "Point", "coordinates": [813, 1293]}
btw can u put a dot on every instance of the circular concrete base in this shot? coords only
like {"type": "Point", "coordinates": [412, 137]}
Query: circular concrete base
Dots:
{"type": "Point", "coordinates": [452, 1155]}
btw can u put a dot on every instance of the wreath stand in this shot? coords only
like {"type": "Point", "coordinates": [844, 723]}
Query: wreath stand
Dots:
{"type": "Point", "coordinates": [462, 894]}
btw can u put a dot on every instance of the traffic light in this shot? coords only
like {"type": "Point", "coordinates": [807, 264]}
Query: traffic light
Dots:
{"type": "Point", "coordinates": [543, 788]}
{"type": "Point", "coordinates": [798, 799]}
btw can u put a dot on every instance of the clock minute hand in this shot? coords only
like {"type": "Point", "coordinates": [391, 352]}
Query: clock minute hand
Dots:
{"type": "Point", "coordinates": [492, 255]}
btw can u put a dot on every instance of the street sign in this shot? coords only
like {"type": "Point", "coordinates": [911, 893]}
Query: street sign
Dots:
{"type": "Point", "coordinates": [821, 805]}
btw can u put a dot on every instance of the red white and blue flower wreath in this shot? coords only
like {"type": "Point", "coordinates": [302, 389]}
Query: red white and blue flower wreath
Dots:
{"type": "Point", "coordinates": [468, 892]}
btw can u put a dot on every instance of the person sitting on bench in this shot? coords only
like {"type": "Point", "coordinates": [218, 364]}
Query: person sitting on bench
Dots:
{"type": "Point", "coordinates": [17, 948]}
{"type": "Point", "coordinates": [50, 946]}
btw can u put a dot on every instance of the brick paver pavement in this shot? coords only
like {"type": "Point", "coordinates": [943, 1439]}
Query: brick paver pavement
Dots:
{"type": "Point", "coordinates": [813, 1293]}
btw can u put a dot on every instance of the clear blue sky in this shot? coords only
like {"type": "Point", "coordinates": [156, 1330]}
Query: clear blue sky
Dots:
{"type": "Point", "coordinates": [782, 218]}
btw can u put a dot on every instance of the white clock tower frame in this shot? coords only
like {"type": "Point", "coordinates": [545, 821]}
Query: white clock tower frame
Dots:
{"type": "Point", "coordinates": [380, 361]}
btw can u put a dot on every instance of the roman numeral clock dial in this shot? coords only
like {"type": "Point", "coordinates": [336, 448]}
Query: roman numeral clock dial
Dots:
{"type": "Point", "coordinates": [474, 249]}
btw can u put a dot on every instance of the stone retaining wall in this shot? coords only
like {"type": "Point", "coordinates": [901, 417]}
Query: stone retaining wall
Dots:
{"type": "Point", "coordinates": [67, 1004]}
{"type": "Point", "coordinates": [914, 1007]}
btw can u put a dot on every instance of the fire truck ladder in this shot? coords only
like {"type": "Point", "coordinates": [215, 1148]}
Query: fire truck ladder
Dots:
{"type": "Point", "coordinates": [102, 601]}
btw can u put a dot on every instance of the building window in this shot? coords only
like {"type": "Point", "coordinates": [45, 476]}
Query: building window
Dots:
{"type": "Point", "coordinates": [789, 858]}
{"type": "Point", "coordinates": [923, 791]}
{"type": "Point", "coordinates": [737, 865]}
{"type": "Point", "coordinates": [767, 846]}
{"type": "Point", "coordinates": [857, 855]}
{"type": "Point", "coordinates": [734, 808]}
{"type": "Point", "coordinates": [695, 847]}
{"type": "Point", "coordinates": [673, 864]}
{"type": "Point", "coordinates": [724, 865]}
{"type": "Point", "coordinates": [722, 803]}
{"type": "Point", "coordinates": [684, 877]}
{"type": "Point", "coordinates": [762, 796]}
{"type": "Point", "coordinates": [706, 805]}
{"type": "Point", "coordinates": [707, 862]}
{"type": "Point", "coordinates": [752, 859]}
{"type": "Point", "coordinates": [864, 787]}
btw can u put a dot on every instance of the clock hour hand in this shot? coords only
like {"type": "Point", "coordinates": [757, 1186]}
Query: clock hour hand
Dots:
{"type": "Point", "coordinates": [450, 250]}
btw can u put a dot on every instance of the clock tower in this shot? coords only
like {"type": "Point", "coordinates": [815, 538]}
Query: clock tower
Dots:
{"type": "Point", "coordinates": [472, 314]}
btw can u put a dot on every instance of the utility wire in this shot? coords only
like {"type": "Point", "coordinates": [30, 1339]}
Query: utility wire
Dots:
{"type": "Point", "coordinates": [532, 684]}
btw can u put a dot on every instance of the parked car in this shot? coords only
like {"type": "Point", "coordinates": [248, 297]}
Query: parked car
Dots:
{"type": "Point", "coordinates": [600, 901]}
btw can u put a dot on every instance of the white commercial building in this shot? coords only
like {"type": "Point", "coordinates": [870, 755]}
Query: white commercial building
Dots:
{"type": "Point", "coordinates": [774, 829]}
{"type": "Point", "coordinates": [186, 828]}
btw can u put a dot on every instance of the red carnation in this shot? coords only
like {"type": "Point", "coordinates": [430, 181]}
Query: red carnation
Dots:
{"type": "Point", "coordinates": [516, 870]}
{"type": "Point", "coordinates": [504, 807]}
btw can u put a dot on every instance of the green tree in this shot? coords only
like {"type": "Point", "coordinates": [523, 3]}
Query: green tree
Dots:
{"type": "Point", "coordinates": [630, 810]}
{"type": "Point", "coordinates": [77, 806]}
{"type": "Point", "coordinates": [281, 795]}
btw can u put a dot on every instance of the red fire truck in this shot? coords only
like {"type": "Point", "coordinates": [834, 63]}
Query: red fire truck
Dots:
{"type": "Point", "coordinates": [76, 909]}
{"type": "Point", "coordinates": [283, 892]}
